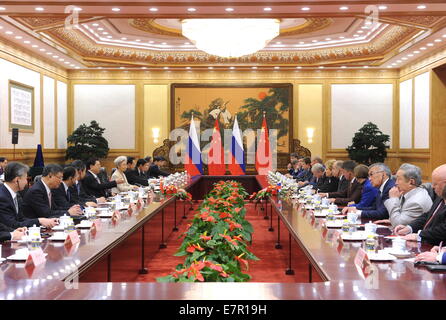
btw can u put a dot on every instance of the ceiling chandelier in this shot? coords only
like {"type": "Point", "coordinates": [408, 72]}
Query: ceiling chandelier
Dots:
{"type": "Point", "coordinates": [230, 38]}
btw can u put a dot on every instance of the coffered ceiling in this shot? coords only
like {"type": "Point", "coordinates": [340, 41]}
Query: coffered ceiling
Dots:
{"type": "Point", "coordinates": [141, 34]}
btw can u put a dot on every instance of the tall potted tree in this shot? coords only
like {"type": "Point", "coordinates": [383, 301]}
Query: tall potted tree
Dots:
{"type": "Point", "coordinates": [369, 145]}
{"type": "Point", "coordinates": [87, 142]}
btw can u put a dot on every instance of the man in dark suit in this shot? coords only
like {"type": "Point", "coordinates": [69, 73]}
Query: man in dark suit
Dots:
{"type": "Point", "coordinates": [155, 170]}
{"type": "Point", "coordinates": [78, 193]}
{"type": "Point", "coordinates": [3, 164]}
{"type": "Point", "coordinates": [337, 172]}
{"type": "Point", "coordinates": [305, 174]}
{"type": "Point", "coordinates": [93, 186]}
{"type": "Point", "coordinates": [138, 176]}
{"type": "Point", "coordinates": [354, 190]}
{"type": "Point", "coordinates": [11, 210]}
{"type": "Point", "coordinates": [430, 227]}
{"type": "Point", "coordinates": [38, 201]}
{"type": "Point", "coordinates": [290, 167]}
{"type": "Point", "coordinates": [7, 233]}
{"type": "Point", "coordinates": [381, 178]}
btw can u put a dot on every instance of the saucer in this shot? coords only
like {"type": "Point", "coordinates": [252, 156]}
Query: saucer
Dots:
{"type": "Point", "coordinates": [105, 215]}
{"type": "Point", "coordinates": [57, 228]}
{"type": "Point", "coordinates": [355, 236]}
{"type": "Point", "coordinates": [334, 224]}
{"type": "Point", "coordinates": [58, 238]}
{"type": "Point", "coordinates": [84, 225]}
{"type": "Point", "coordinates": [381, 256]}
{"type": "Point", "coordinates": [398, 254]}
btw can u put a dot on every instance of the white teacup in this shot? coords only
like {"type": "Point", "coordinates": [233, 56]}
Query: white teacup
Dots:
{"type": "Point", "coordinates": [370, 227]}
{"type": "Point", "coordinates": [352, 216]}
{"type": "Point", "coordinates": [22, 252]}
{"type": "Point", "coordinates": [399, 245]}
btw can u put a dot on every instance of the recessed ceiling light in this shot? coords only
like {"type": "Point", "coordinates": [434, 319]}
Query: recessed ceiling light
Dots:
{"type": "Point", "coordinates": [163, 43]}
{"type": "Point", "coordinates": [39, 9]}
{"type": "Point", "coordinates": [77, 9]}
{"type": "Point", "coordinates": [382, 7]}
{"type": "Point", "coordinates": [253, 67]}
{"type": "Point", "coordinates": [302, 42]}
{"type": "Point", "coordinates": [398, 61]}
{"type": "Point", "coordinates": [18, 37]}
{"type": "Point", "coordinates": [327, 39]}
{"type": "Point", "coordinates": [165, 68]}
{"type": "Point", "coordinates": [187, 43]}
{"type": "Point", "coordinates": [43, 50]}
{"type": "Point", "coordinates": [423, 48]}
{"type": "Point", "coordinates": [27, 42]}
{"type": "Point", "coordinates": [365, 67]}
{"type": "Point", "coordinates": [343, 8]}
{"type": "Point", "coordinates": [403, 58]}
{"type": "Point", "coordinates": [61, 59]}
{"type": "Point", "coordinates": [276, 68]}
{"type": "Point", "coordinates": [368, 23]}
{"type": "Point", "coordinates": [444, 36]}
{"type": "Point", "coordinates": [9, 32]}
{"type": "Point", "coordinates": [360, 31]}
{"type": "Point", "coordinates": [67, 62]}
{"type": "Point", "coordinates": [100, 29]}
{"type": "Point", "coordinates": [430, 44]}
{"type": "Point", "coordinates": [438, 40]}
{"type": "Point", "coordinates": [343, 67]}
{"type": "Point", "coordinates": [109, 37]}
{"type": "Point", "coordinates": [191, 9]}
{"type": "Point", "coordinates": [416, 52]}
{"type": "Point", "coordinates": [95, 24]}
{"type": "Point", "coordinates": [151, 41]}
{"type": "Point", "coordinates": [187, 68]}
{"type": "Point", "coordinates": [116, 9]}
{"type": "Point", "coordinates": [121, 67]}
{"type": "Point", "coordinates": [105, 33]}
{"type": "Point", "coordinates": [389, 67]}
{"type": "Point", "coordinates": [144, 68]}
{"type": "Point", "coordinates": [55, 57]}
{"type": "Point", "coordinates": [138, 40]}
{"type": "Point", "coordinates": [410, 55]}
{"type": "Point", "coordinates": [393, 64]}
{"type": "Point", "coordinates": [232, 68]}
{"type": "Point", "coordinates": [211, 68]}
{"type": "Point", "coordinates": [229, 9]}
{"type": "Point", "coordinates": [314, 41]}
{"type": "Point", "coordinates": [153, 9]}
{"type": "Point", "coordinates": [2, 8]}
{"type": "Point", "coordinates": [267, 9]}
{"type": "Point", "coordinates": [356, 35]}
{"type": "Point", "coordinates": [341, 37]}
{"type": "Point", "coordinates": [298, 67]}
{"type": "Point", "coordinates": [123, 38]}
{"type": "Point", "coordinates": [422, 6]}
{"type": "Point", "coordinates": [35, 46]}
{"type": "Point", "coordinates": [305, 9]}
{"type": "Point", "coordinates": [48, 53]}
{"type": "Point", "coordinates": [77, 67]}
{"type": "Point", "coordinates": [278, 42]}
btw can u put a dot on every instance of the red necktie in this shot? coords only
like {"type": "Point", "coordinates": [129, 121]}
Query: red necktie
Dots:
{"type": "Point", "coordinates": [441, 205]}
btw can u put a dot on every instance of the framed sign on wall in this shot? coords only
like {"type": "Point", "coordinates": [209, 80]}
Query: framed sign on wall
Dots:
{"type": "Point", "coordinates": [21, 107]}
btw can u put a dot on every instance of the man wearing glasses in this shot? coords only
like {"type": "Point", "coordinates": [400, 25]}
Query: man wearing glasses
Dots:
{"type": "Point", "coordinates": [380, 177]}
{"type": "Point", "coordinates": [38, 201]}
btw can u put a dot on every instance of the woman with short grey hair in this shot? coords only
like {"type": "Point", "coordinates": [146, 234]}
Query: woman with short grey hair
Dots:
{"type": "Point", "coordinates": [121, 165]}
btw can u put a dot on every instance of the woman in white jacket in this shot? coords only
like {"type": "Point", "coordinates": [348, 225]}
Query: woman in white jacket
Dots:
{"type": "Point", "coordinates": [121, 166]}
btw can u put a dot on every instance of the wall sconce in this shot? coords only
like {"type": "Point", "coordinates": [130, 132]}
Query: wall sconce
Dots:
{"type": "Point", "coordinates": [155, 134]}
{"type": "Point", "coordinates": [310, 134]}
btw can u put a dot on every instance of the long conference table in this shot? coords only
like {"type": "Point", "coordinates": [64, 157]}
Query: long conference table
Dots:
{"type": "Point", "coordinates": [107, 264]}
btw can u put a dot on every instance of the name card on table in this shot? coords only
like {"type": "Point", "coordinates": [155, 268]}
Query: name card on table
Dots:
{"type": "Point", "coordinates": [72, 238]}
{"type": "Point", "coordinates": [130, 211]}
{"type": "Point", "coordinates": [116, 217]}
{"type": "Point", "coordinates": [139, 203]}
{"type": "Point", "coordinates": [96, 227]}
{"type": "Point", "coordinates": [324, 229]}
{"type": "Point", "coordinates": [337, 241]}
{"type": "Point", "coordinates": [362, 261]}
{"type": "Point", "coordinates": [36, 257]}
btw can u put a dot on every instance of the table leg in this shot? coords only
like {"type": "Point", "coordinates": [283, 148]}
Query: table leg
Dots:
{"type": "Point", "coordinates": [162, 244]}
{"type": "Point", "coordinates": [143, 269]}
{"type": "Point", "coordinates": [289, 271]}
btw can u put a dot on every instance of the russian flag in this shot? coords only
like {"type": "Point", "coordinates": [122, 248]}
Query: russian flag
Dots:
{"type": "Point", "coordinates": [192, 161]}
{"type": "Point", "coordinates": [236, 164]}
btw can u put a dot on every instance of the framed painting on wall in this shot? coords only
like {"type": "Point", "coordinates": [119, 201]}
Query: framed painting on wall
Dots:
{"type": "Point", "coordinates": [21, 106]}
{"type": "Point", "coordinates": [249, 102]}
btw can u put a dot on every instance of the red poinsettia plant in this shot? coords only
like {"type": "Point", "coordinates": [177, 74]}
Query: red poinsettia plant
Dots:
{"type": "Point", "coordinates": [216, 242]}
{"type": "Point", "coordinates": [265, 193]}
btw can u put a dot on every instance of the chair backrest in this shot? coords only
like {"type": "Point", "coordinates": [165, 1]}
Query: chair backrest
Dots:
{"type": "Point", "coordinates": [430, 190]}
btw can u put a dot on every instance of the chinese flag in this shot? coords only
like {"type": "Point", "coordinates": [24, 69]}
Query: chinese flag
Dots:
{"type": "Point", "coordinates": [264, 157]}
{"type": "Point", "coordinates": [216, 156]}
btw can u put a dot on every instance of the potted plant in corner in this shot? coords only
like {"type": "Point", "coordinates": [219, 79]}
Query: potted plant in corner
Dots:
{"type": "Point", "coordinates": [369, 145]}
{"type": "Point", "coordinates": [87, 142]}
